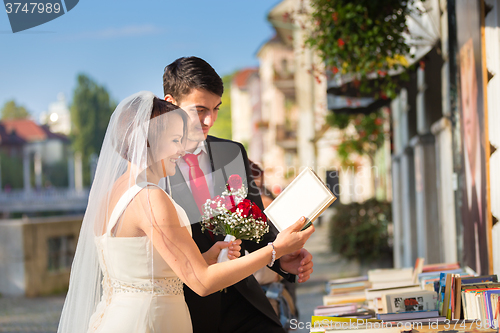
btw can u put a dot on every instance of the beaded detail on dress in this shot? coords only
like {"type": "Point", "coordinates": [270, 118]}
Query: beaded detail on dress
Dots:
{"type": "Point", "coordinates": [159, 287]}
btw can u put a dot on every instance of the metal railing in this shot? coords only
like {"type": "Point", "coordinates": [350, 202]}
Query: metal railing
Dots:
{"type": "Point", "coordinates": [43, 200]}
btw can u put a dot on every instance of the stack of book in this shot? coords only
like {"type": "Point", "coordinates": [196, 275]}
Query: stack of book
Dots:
{"type": "Point", "coordinates": [420, 300]}
{"type": "Point", "coordinates": [426, 294]}
{"type": "Point", "coordinates": [346, 285]}
{"type": "Point", "coordinates": [335, 310]}
{"type": "Point", "coordinates": [440, 267]}
{"type": "Point", "coordinates": [390, 277]}
{"type": "Point", "coordinates": [470, 298]}
{"type": "Point", "coordinates": [346, 290]}
{"type": "Point", "coordinates": [376, 297]}
{"type": "Point", "coordinates": [414, 306]}
{"type": "Point", "coordinates": [410, 303]}
{"type": "Point", "coordinates": [412, 316]}
{"type": "Point", "coordinates": [429, 278]}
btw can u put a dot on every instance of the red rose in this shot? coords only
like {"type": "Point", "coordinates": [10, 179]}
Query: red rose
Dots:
{"type": "Point", "coordinates": [256, 212]}
{"type": "Point", "coordinates": [335, 17]}
{"type": "Point", "coordinates": [215, 202]}
{"type": "Point", "coordinates": [234, 182]}
{"type": "Point", "coordinates": [335, 70]}
{"type": "Point", "coordinates": [245, 206]}
{"type": "Point", "coordinates": [264, 217]}
{"type": "Point", "coordinates": [229, 203]}
{"type": "Point", "coordinates": [341, 42]}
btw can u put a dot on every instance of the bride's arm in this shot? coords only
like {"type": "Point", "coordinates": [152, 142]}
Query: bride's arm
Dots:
{"type": "Point", "coordinates": [178, 249]}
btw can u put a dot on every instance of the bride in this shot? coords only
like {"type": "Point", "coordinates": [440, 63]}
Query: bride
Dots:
{"type": "Point", "coordinates": [135, 249]}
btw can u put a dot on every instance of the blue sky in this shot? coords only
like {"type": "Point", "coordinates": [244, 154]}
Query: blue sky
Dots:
{"type": "Point", "coordinates": [124, 45]}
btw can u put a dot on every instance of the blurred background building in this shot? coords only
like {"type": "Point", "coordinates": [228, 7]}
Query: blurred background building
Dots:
{"type": "Point", "coordinates": [436, 165]}
{"type": "Point", "coordinates": [57, 117]}
{"type": "Point", "coordinates": [279, 109]}
{"type": "Point", "coordinates": [445, 201]}
{"type": "Point", "coordinates": [42, 200]}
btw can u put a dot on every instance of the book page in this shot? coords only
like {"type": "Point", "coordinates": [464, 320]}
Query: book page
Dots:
{"type": "Point", "coordinates": [306, 196]}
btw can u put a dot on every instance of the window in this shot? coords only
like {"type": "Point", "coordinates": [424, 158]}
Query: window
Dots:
{"type": "Point", "coordinates": [61, 250]}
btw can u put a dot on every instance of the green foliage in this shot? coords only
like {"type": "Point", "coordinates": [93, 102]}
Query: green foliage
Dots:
{"type": "Point", "coordinates": [367, 138]}
{"type": "Point", "coordinates": [90, 112]}
{"type": "Point", "coordinates": [12, 171]}
{"type": "Point", "coordinates": [362, 37]}
{"type": "Point", "coordinates": [11, 110]}
{"type": "Point", "coordinates": [223, 126]}
{"type": "Point", "coordinates": [360, 231]}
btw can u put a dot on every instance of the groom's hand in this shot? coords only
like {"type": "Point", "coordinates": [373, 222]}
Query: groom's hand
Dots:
{"type": "Point", "coordinates": [298, 263]}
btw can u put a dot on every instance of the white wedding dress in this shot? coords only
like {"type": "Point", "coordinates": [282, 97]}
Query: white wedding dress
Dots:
{"type": "Point", "coordinates": [141, 293]}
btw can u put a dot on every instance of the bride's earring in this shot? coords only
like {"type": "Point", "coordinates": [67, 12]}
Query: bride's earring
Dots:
{"type": "Point", "coordinates": [163, 167]}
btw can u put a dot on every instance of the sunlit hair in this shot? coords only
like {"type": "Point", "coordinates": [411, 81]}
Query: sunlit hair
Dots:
{"type": "Point", "coordinates": [188, 73]}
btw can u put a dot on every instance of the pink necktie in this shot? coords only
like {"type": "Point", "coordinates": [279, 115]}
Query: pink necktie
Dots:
{"type": "Point", "coordinates": [197, 182]}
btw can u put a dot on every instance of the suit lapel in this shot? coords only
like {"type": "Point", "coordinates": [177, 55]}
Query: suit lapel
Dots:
{"type": "Point", "coordinates": [217, 163]}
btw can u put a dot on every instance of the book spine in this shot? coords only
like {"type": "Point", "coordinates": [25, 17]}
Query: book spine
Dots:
{"type": "Point", "coordinates": [458, 298]}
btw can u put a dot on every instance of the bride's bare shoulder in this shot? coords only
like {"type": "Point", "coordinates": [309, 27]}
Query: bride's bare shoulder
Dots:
{"type": "Point", "coordinates": [156, 204]}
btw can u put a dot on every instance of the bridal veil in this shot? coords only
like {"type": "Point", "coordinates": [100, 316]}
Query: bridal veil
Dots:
{"type": "Point", "coordinates": [132, 148]}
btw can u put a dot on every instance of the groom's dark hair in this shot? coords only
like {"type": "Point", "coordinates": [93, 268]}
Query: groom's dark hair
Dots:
{"type": "Point", "coordinates": [188, 73]}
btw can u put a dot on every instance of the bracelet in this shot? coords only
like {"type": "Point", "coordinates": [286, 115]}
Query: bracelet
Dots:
{"type": "Point", "coordinates": [273, 258]}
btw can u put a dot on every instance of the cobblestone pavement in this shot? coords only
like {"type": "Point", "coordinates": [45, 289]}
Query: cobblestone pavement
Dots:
{"type": "Point", "coordinates": [326, 266]}
{"type": "Point", "coordinates": [37, 315]}
{"type": "Point", "coordinates": [41, 315]}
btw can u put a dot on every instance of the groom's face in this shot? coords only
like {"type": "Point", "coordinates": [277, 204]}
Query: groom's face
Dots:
{"type": "Point", "coordinates": [203, 107]}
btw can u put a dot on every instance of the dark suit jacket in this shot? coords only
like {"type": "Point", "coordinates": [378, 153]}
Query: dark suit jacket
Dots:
{"type": "Point", "coordinates": [227, 158]}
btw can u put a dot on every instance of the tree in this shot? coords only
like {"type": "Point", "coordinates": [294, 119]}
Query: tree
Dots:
{"type": "Point", "coordinates": [11, 110]}
{"type": "Point", "coordinates": [222, 127]}
{"type": "Point", "coordinates": [361, 134]}
{"type": "Point", "coordinates": [363, 38]}
{"type": "Point", "coordinates": [11, 171]}
{"type": "Point", "coordinates": [91, 110]}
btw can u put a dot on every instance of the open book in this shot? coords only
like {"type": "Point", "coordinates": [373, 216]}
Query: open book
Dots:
{"type": "Point", "coordinates": [306, 196]}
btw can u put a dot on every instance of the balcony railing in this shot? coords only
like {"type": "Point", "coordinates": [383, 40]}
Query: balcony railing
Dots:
{"type": "Point", "coordinates": [285, 81]}
{"type": "Point", "coordinates": [43, 200]}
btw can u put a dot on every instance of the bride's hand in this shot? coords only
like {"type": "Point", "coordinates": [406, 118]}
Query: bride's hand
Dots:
{"type": "Point", "coordinates": [292, 238]}
{"type": "Point", "coordinates": [234, 251]}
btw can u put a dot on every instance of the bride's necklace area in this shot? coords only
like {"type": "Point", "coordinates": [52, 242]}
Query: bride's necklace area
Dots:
{"type": "Point", "coordinates": [151, 175]}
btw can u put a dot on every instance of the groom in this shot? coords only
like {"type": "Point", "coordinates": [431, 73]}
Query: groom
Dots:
{"type": "Point", "coordinates": [193, 84]}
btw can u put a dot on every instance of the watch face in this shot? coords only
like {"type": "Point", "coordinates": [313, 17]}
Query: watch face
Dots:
{"type": "Point", "coordinates": [24, 15]}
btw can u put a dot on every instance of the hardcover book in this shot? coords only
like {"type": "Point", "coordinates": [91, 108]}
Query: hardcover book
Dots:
{"type": "Point", "coordinates": [408, 315]}
{"type": "Point", "coordinates": [423, 300]}
{"type": "Point", "coordinates": [379, 292]}
{"type": "Point", "coordinates": [306, 196]}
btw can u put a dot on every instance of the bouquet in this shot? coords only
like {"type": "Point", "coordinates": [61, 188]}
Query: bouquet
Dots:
{"type": "Point", "coordinates": [233, 216]}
